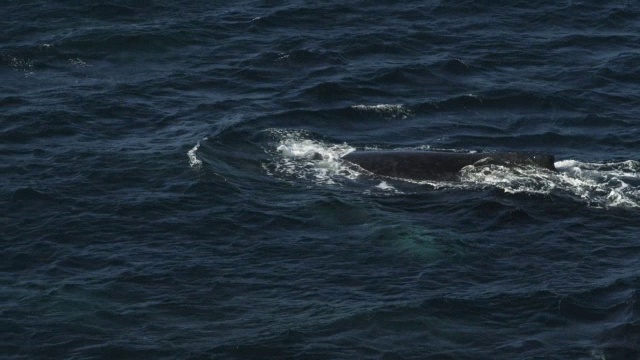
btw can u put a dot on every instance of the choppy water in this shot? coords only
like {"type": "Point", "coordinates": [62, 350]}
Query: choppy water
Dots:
{"type": "Point", "coordinates": [161, 196]}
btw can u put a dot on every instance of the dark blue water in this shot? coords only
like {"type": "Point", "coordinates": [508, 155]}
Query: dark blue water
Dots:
{"type": "Point", "coordinates": [162, 197]}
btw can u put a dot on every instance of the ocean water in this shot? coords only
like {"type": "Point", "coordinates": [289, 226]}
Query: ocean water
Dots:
{"type": "Point", "coordinates": [162, 197]}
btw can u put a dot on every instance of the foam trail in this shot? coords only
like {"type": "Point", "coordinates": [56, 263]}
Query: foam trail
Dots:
{"type": "Point", "coordinates": [613, 184]}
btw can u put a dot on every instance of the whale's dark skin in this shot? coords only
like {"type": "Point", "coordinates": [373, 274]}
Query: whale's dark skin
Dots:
{"type": "Point", "coordinates": [439, 165]}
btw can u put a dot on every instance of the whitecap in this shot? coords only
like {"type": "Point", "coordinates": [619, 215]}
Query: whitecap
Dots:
{"type": "Point", "coordinates": [192, 154]}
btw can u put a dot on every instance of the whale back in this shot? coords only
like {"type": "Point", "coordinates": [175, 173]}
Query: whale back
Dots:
{"type": "Point", "coordinates": [438, 165]}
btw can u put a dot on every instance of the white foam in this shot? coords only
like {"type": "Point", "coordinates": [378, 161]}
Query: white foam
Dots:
{"type": "Point", "coordinates": [613, 184]}
{"type": "Point", "coordinates": [392, 110]}
{"type": "Point", "coordinates": [385, 186]}
{"type": "Point", "coordinates": [298, 156]}
{"type": "Point", "coordinates": [601, 185]}
{"type": "Point", "coordinates": [379, 107]}
{"type": "Point", "coordinates": [193, 159]}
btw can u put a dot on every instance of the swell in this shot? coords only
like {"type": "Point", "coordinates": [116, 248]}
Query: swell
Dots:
{"type": "Point", "coordinates": [465, 327]}
{"type": "Point", "coordinates": [116, 247]}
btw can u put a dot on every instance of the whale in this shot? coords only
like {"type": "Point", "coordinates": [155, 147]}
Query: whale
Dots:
{"type": "Point", "coordinates": [440, 165]}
